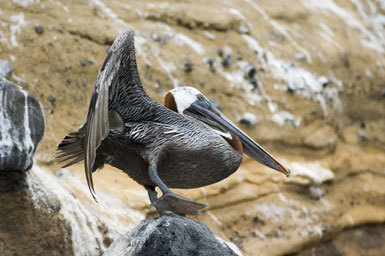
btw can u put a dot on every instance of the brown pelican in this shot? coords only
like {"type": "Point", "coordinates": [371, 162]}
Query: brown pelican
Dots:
{"type": "Point", "coordinates": [188, 143]}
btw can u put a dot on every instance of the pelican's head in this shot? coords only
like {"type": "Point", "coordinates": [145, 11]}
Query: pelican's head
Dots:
{"type": "Point", "coordinates": [183, 98]}
{"type": "Point", "coordinates": [189, 101]}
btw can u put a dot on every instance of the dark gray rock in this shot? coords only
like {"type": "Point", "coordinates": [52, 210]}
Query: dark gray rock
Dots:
{"type": "Point", "coordinates": [249, 71]}
{"type": "Point", "coordinates": [5, 68]}
{"type": "Point", "coordinates": [171, 235]}
{"type": "Point", "coordinates": [52, 100]}
{"type": "Point", "coordinates": [226, 61]}
{"type": "Point", "coordinates": [187, 65]}
{"type": "Point", "coordinates": [21, 129]}
{"type": "Point", "coordinates": [39, 29]}
{"type": "Point", "coordinates": [210, 61]}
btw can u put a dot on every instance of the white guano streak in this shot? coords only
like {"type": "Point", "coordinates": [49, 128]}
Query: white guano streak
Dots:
{"type": "Point", "coordinates": [304, 81]}
{"type": "Point", "coordinates": [25, 3]}
{"type": "Point", "coordinates": [28, 143]}
{"type": "Point", "coordinates": [84, 226]}
{"type": "Point", "coordinates": [107, 11]}
{"type": "Point", "coordinates": [375, 21]}
{"type": "Point", "coordinates": [6, 141]}
{"type": "Point", "coordinates": [280, 30]}
{"type": "Point", "coordinates": [19, 23]}
{"type": "Point", "coordinates": [183, 39]}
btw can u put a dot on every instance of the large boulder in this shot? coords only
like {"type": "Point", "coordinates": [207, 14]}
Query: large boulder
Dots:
{"type": "Point", "coordinates": [22, 127]}
{"type": "Point", "coordinates": [171, 235]}
{"type": "Point", "coordinates": [38, 215]}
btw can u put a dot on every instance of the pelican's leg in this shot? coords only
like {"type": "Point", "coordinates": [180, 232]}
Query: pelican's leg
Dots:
{"type": "Point", "coordinates": [153, 195]}
{"type": "Point", "coordinates": [170, 201]}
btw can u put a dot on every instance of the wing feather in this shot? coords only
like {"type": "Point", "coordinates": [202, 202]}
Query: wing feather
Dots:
{"type": "Point", "coordinates": [120, 60]}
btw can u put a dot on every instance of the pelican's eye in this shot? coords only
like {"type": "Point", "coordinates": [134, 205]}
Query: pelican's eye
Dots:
{"type": "Point", "coordinates": [200, 97]}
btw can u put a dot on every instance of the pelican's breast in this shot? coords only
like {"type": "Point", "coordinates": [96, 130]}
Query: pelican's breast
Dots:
{"type": "Point", "coordinates": [234, 142]}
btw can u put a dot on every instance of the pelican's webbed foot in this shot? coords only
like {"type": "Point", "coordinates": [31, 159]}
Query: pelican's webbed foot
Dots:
{"type": "Point", "coordinates": [177, 204]}
{"type": "Point", "coordinates": [170, 201]}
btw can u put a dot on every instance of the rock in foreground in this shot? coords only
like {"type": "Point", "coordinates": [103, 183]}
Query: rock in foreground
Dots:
{"type": "Point", "coordinates": [22, 127]}
{"type": "Point", "coordinates": [171, 235]}
{"type": "Point", "coordinates": [30, 225]}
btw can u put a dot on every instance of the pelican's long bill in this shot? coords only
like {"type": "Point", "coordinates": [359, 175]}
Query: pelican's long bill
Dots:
{"type": "Point", "coordinates": [207, 113]}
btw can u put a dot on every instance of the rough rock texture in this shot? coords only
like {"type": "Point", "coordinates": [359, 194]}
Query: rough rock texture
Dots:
{"type": "Point", "coordinates": [37, 215]}
{"type": "Point", "coordinates": [171, 235]}
{"type": "Point", "coordinates": [317, 90]}
{"type": "Point", "coordinates": [365, 240]}
{"type": "Point", "coordinates": [40, 217]}
{"type": "Point", "coordinates": [25, 230]}
{"type": "Point", "coordinates": [22, 127]}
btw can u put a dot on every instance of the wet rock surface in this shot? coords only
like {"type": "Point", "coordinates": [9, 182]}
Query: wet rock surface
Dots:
{"type": "Point", "coordinates": [171, 235]}
{"type": "Point", "coordinates": [22, 127]}
{"type": "Point", "coordinates": [311, 71]}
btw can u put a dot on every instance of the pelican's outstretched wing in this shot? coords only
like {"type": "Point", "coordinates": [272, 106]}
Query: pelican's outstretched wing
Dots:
{"type": "Point", "coordinates": [118, 79]}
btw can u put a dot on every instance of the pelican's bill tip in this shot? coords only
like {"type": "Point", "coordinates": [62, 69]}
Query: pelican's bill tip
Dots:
{"type": "Point", "coordinates": [288, 173]}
